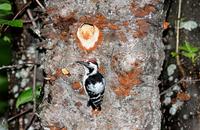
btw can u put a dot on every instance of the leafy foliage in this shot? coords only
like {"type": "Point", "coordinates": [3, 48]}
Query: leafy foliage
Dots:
{"type": "Point", "coordinates": [27, 96]}
{"type": "Point", "coordinates": [5, 9]}
{"type": "Point", "coordinates": [5, 49]}
{"type": "Point", "coordinates": [189, 51]}
{"type": "Point", "coordinates": [13, 23]}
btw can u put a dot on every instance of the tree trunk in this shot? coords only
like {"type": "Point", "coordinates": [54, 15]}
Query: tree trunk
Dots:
{"type": "Point", "coordinates": [125, 38]}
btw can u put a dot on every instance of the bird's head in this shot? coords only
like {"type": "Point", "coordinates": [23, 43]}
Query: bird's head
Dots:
{"type": "Point", "coordinates": [91, 66]}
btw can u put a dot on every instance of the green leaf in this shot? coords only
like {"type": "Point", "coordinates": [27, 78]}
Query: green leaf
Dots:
{"type": "Point", "coordinates": [4, 13]}
{"type": "Point", "coordinates": [6, 39]}
{"type": "Point", "coordinates": [189, 55]}
{"type": "Point", "coordinates": [188, 48]}
{"type": "Point", "coordinates": [13, 23]}
{"type": "Point", "coordinates": [4, 1]}
{"type": "Point", "coordinates": [5, 6]}
{"type": "Point", "coordinates": [27, 96]}
{"type": "Point", "coordinates": [174, 54]}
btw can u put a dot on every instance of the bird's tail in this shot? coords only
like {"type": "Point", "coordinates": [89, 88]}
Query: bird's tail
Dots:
{"type": "Point", "coordinates": [95, 102]}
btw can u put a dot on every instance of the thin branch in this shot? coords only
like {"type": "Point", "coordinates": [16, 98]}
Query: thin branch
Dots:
{"type": "Point", "coordinates": [191, 80]}
{"type": "Point", "coordinates": [38, 2]}
{"type": "Point", "coordinates": [20, 12]}
{"type": "Point", "coordinates": [182, 80]}
{"type": "Point", "coordinates": [16, 66]}
{"type": "Point", "coordinates": [31, 121]}
{"type": "Point", "coordinates": [28, 21]}
{"type": "Point", "coordinates": [30, 15]}
{"type": "Point", "coordinates": [167, 90]}
{"type": "Point", "coordinates": [18, 115]}
{"type": "Point", "coordinates": [21, 123]}
{"type": "Point", "coordinates": [177, 40]}
{"type": "Point", "coordinates": [34, 85]}
{"type": "Point", "coordinates": [27, 4]}
{"type": "Point", "coordinates": [10, 67]}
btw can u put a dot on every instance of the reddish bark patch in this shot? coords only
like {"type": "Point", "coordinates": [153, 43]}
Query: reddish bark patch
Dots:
{"type": "Point", "coordinates": [122, 37]}
{"type": "Point", "coordinates": [113, 26]}
{"type": "Point", "coordinates": [125, 23]}
{"type": "Point", "coordinates": [77, 86]}
{"type": "Point", "coordinates": [50, 10]}
{"type": "Point", "coordinates": [183, 96]}
{"type": "Point", "coordinates": [95, 113]}
{"type": "Point", "coordinates": [58, 73]}
{"type": "Point", "coordinates": [102, 69]}
{"type": "Point", "coordinates": [63, 24]}
{"type": "Point", "coordinates": [143, 28]}
{"type": "Point", "coordinates": [78, 104]}
{"type": "Point", "coordinates": [141, 12]}
{"type": "Point", "coordinates": [100, 21]}
{"type": "Point", "coordinates": [60, 23]}
{"type": "Point", "coordinates": [127, 81]}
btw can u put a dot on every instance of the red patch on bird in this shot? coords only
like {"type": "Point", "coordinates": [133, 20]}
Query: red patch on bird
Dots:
{"type": "Point", "coordinates": [93, 60]}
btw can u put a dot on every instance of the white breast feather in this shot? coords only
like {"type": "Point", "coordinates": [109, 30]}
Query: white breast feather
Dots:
{"type": "Point", "coordinates": [97, 88]}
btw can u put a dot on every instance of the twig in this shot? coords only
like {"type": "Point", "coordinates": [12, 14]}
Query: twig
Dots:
{"type": "Point", "coordinates": [185, 80]}
{"type": "Point", "coordinates": [28, 21]}
{"type": "Point", "coordinates": [20, 114]}
{"type": "Point", "coordinates": [34, 85]}
{"type": "Point", "coordinates": [31, 121]}
{"type": "Point", "coordinates": [191, 80]}
{"type": "Point", "coordinates": [23, 9]}
{"type": "Point", "coordinates": [15, 66]}
{"type": "Point", "coordinates": [21, 123]}
{"type": "Point", "coordinates": [38, 2]}
{"type": "Point", "coordinates": [167, 90]}
{"type": "Point", "coordinates": [34, 98]}
{"type": "Point", "coordinates": [10, 67]}
{"type": "Point", "coordinates": [20, 12]}
{"type": "Point", "coordinates": [30, 15]}
{"type": "Point", "coordinates": [111, 56]}
{"type": "Point", "coordinates": [177, 40]}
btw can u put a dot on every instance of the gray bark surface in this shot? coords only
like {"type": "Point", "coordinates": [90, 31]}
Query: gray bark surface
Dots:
{"type": "Point", "coordinates": [130, 55]}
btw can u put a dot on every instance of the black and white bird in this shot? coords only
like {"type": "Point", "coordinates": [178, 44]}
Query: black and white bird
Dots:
{"type": "Point", "coordinates": [94, 84]}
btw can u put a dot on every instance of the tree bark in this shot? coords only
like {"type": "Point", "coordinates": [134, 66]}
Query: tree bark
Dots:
{"type": "Point", "coordinates": [130, 54]}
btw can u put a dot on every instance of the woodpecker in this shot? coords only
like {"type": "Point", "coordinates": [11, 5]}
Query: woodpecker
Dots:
{"type": "Point", "coordinates": [94, 84]}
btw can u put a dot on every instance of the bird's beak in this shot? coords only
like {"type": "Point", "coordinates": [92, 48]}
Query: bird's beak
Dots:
{"type": "Point", "coordinates": [82, 63]}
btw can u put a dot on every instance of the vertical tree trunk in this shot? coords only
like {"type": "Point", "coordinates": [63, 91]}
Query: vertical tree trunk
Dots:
{"type": "Point", "coordinates": [125, 38]}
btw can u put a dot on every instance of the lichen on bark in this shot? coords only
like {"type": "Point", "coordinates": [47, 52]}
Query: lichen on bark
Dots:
{"type": "Point", "coordinates": [130, 56]}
